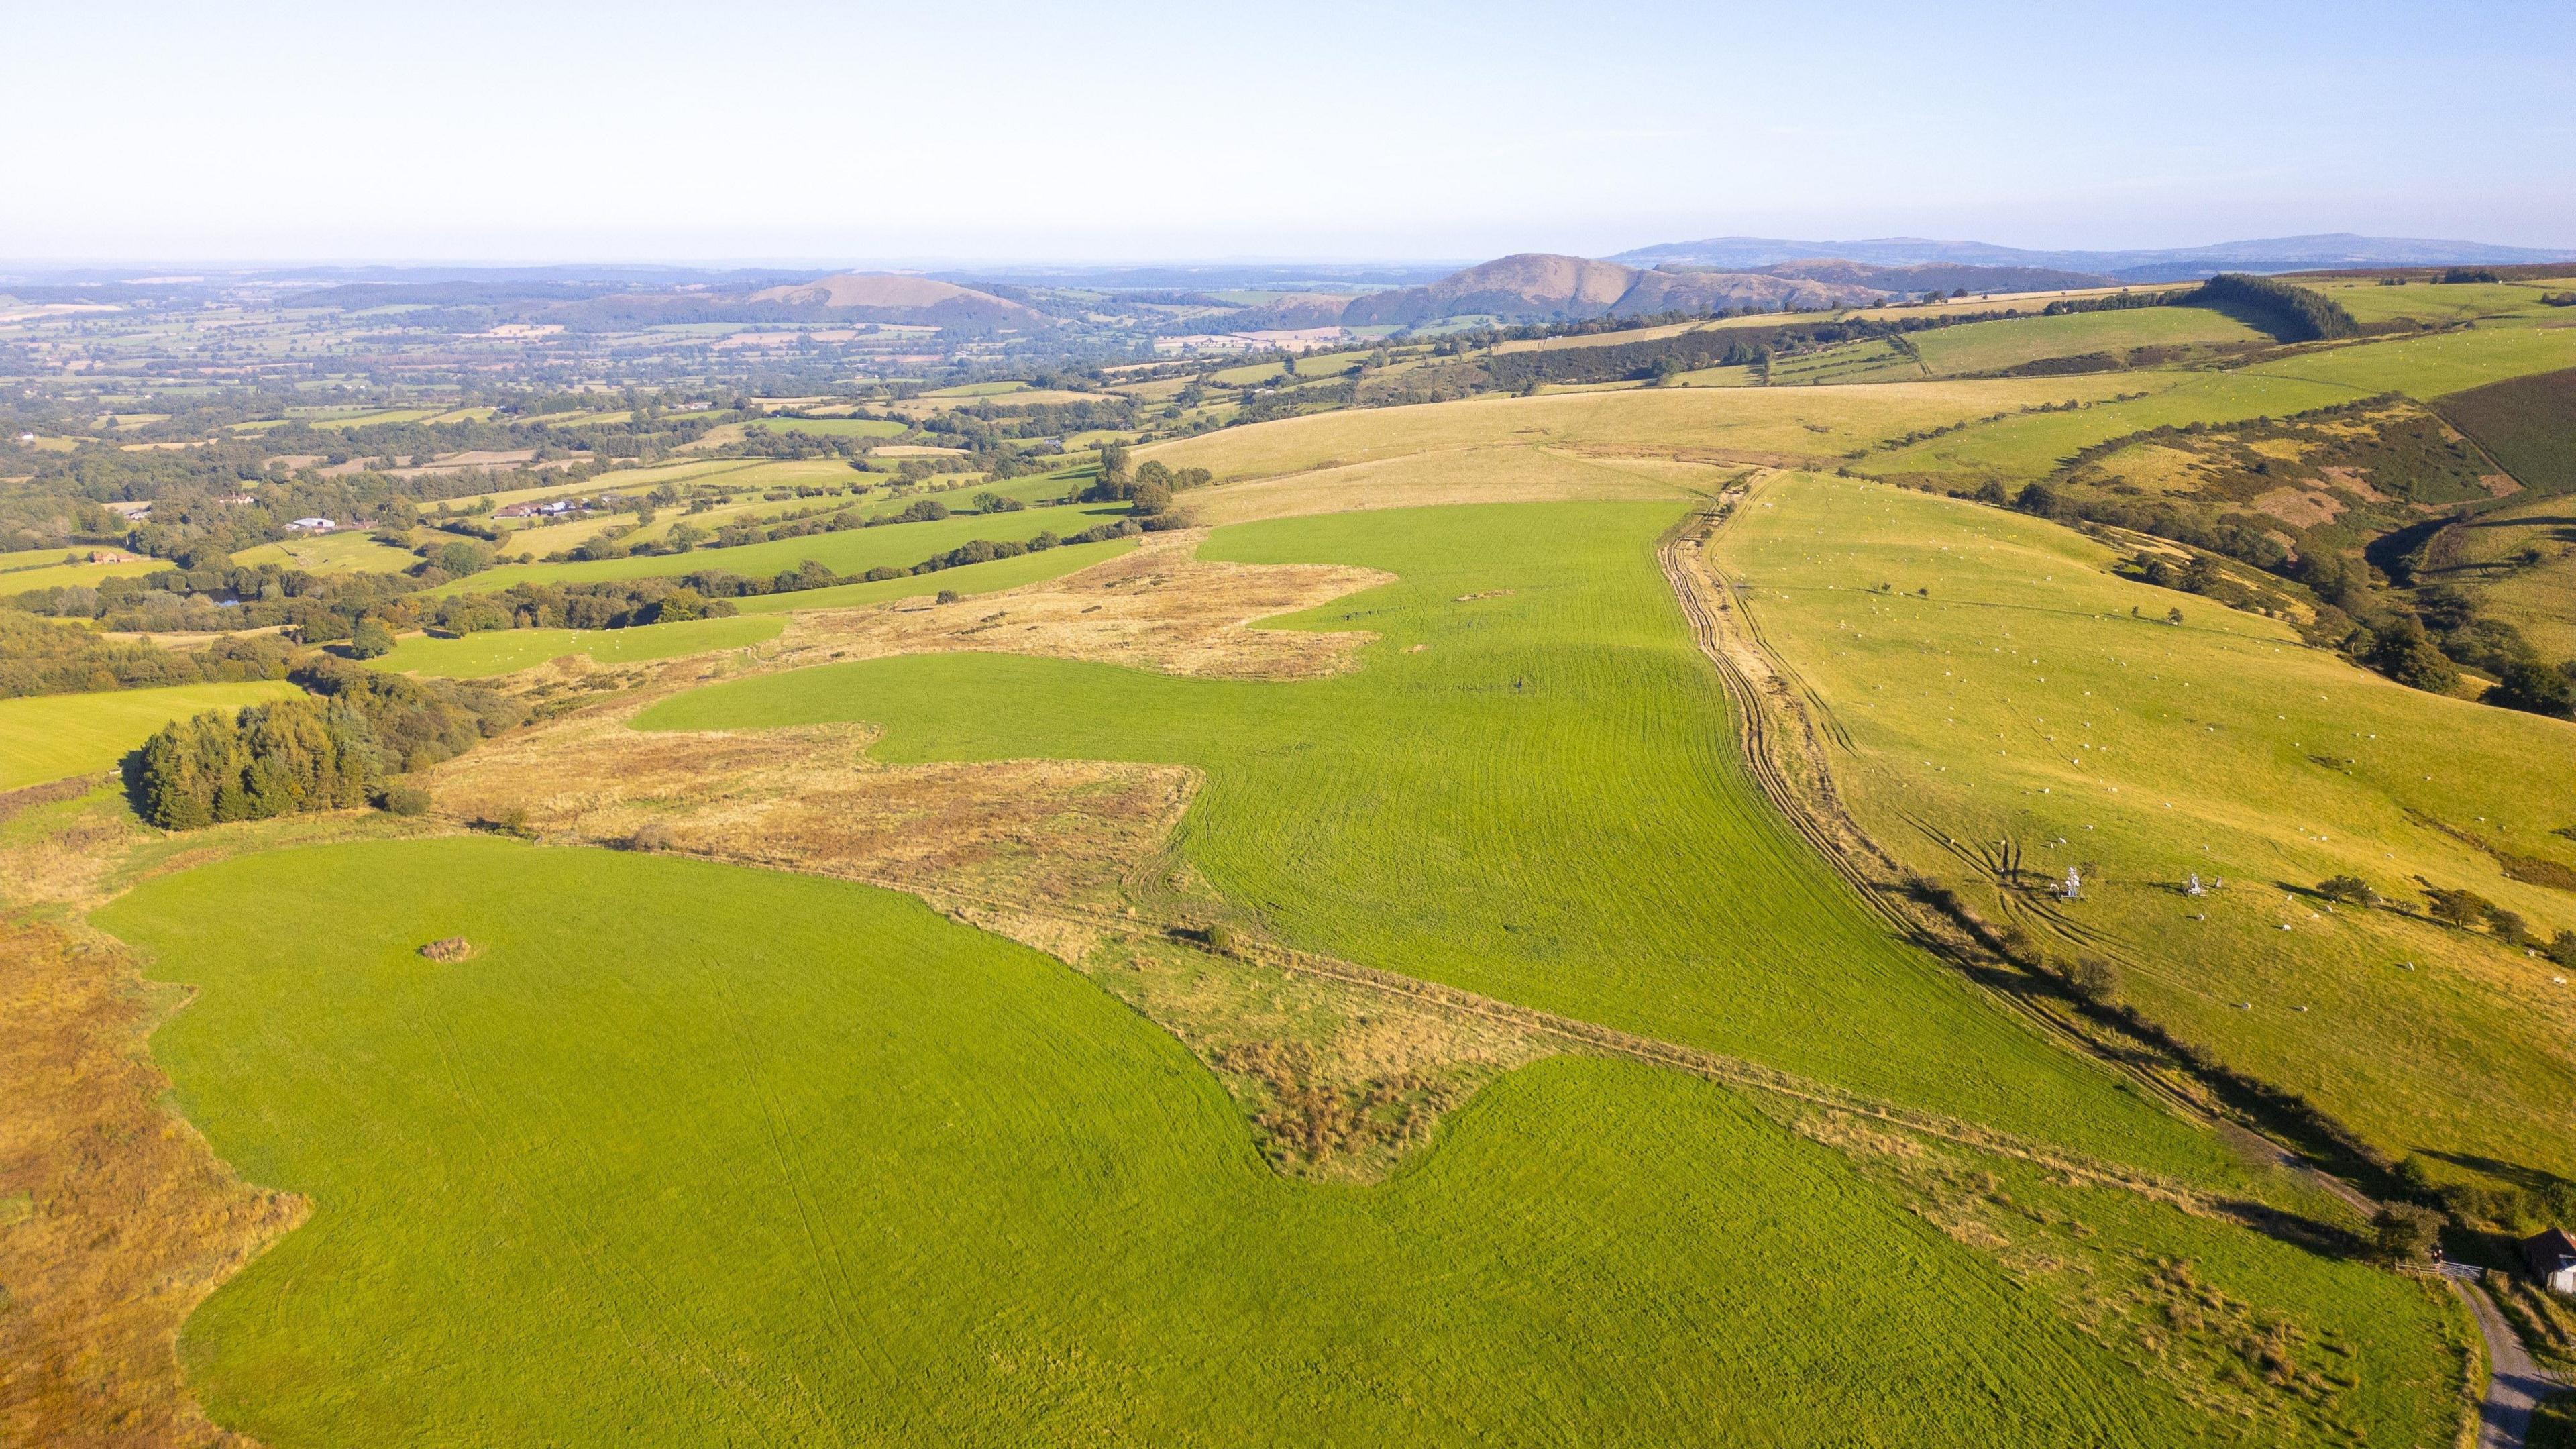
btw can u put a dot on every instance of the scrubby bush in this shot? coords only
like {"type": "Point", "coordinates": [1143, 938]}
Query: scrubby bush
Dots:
{"type": "Point", "coordinates": [370, 640]}
{"type": "Point", "coordinates": [405, 800]}
{"type": "Point", "coordinates": [2530, 685]}
{"type": "Point", "coordinates": [2404, 1232]}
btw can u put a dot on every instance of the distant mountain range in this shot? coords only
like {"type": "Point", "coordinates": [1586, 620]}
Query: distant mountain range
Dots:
{"type": "Point", "coordinates": [2278, 254]}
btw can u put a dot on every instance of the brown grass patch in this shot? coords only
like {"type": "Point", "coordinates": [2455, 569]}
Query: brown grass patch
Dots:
{"type": "Point", "coordinates": [119, 1219]}
{"type": "Point", "coordinates": [807, 799]}
{"type": "Point", "coordinates": [450, 948]}
{"type": "Point", "coordinates": [1154, 608]}
{"type": "Point", "coordinates": [2300, 507]}
{"type": "Point", "coordinates": [1514, 473]}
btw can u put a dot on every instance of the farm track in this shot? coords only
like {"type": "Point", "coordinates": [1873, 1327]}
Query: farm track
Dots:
{"type": "Point", "coordinates": [1784, 732]}
{"type": "Point", "coordinates": [2514, 1384]}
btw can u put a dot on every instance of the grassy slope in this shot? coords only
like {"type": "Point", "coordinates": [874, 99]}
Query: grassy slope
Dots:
{"type": "Point", "coordinates": [1984, 346]}
{"type": "Point", "coordinates": [1796, 421]}
{"type": "Point", "coordinates": [823, 1167]}
{"type": "Point", "coordinates": [899, 545]}
{"type": "Point", "coordinates": [2165, 750]}
{"type": "Point", "coordinates": [1542, 802]}
{"type": "Point", "coordinates": [2030, 445]}
{"type": "Point", "coordinates": [2429, 367]}
{"type": "Point", "coordinates": [50, 736]}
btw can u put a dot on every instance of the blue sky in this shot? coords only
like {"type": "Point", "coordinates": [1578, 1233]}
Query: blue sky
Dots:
{"type": "Point", "coordinates": [1004, 130]}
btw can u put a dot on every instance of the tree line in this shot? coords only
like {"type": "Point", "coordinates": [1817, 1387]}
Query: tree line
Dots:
{"type": "Point", "coordinates": [329, 749]}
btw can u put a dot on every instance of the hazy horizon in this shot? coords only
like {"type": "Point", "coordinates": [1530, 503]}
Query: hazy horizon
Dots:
{"type": "Point", "coordinates": [1020, 133]}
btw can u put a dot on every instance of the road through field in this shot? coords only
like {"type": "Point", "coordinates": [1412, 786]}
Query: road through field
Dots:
{"type": "Point", "coordinates": [2515, 1385]}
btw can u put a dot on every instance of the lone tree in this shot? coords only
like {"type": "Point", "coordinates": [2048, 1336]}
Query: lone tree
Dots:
{"type": "Point", "coordinates": [2350, 888]}
{"type": "Point", "coordinates": [2406, 1232]}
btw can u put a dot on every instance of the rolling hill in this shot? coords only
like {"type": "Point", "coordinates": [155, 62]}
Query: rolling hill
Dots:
{"type": "Point", "coordinates": [1531, 286]}
{"type": "Point", "coordinates": [896, 297]}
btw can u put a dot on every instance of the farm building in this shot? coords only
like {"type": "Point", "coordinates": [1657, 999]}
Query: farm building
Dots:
{"type": "Point", "coordinates": [2552, 1259]}
{"type": "Point", "coordinates": [313, 525]}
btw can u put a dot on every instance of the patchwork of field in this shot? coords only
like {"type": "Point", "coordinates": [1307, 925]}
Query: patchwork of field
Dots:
{"type": "Point", "coordinates": [1527, 789]}
{"type": "Point", "coordinates": [671, 1151]}
{"type": "Point", "coordinates": [823, 1166]}
{"type": "Point", "coordinates": [2032, 700]}
{"type": "Point", "coordinates": [51, 736]}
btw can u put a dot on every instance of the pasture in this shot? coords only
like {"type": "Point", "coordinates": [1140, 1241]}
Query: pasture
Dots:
{"type": "Point", "coordinates": [504, 651]}
{"type": "Point", "coordinates": [853, 551]}
{"type": "Point", "coordinates": [60, 575]}
{"type": "Point", "coordinates": [968, 579]}
{"type": "Point", "coordinates": [350, 550]}
{"type": "Point", "coordinates": [1991, 346]}
{"type": "Point", "coordinates": [1528, 789]}
{"type": "Point", "coordinates": [826, 1167]}
{"type": "Point", "coordinates": [1755, 423]}
{"type": "Point", "coordinates": [831, 427]}
{"type": "Point", "coordinates": [2030, 445]}
{"type": "Point", "coordinates": [2425, 368]}
{"type": "Point", "coordinates": [2022, 700]}
{"type": "Point", "coordinates": [52, 736]}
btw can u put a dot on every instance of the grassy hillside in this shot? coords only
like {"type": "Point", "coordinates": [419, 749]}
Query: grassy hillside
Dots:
{"type": "Point", "coordinates": [48, 737]}
{"type": "Point", "coordinates": [1528, 789]}
{"type": "Point", "coordinates": [1994, 346]}
{"type": "Point", "coordinates": [825, 1167]}
{"type": "Point", "coordinates": [2430, 367]}
{"type": "Point", "coordinates": [1798, 422]}
{"type": "Point", "coordinates": [2022, 701]}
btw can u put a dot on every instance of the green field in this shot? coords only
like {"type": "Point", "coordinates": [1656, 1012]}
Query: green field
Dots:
{"type": "Point", "coordinates": [2030, 445]}
{"type": "Point", "coordinates": [853, 551]}
{"type": "Point", "coordinates": [2429, 367]}
{"type": "Point", "coordinates": [2022, 701]}
{"type": "Point", "coordinates": [1541, 802]}
{"type": "Point", "coordinates": [1990, 346]}
{"type": "Point", "coordinates": [501, 651]}
{"type": "Point", "coordinates": [68, 575]}
{"type": "Point", "coordinates": [982, 578]}
{"type": "Point", "coordinates": [823, 1167]}
{"type": "Point", "coordinates": [50, 736]}
{"type": "Point", "coordinates": [831, 427]}
{"type": "Point", "coordinates": [348, 551]}
{"type": "Point", "coordinates": [2370, 302]}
